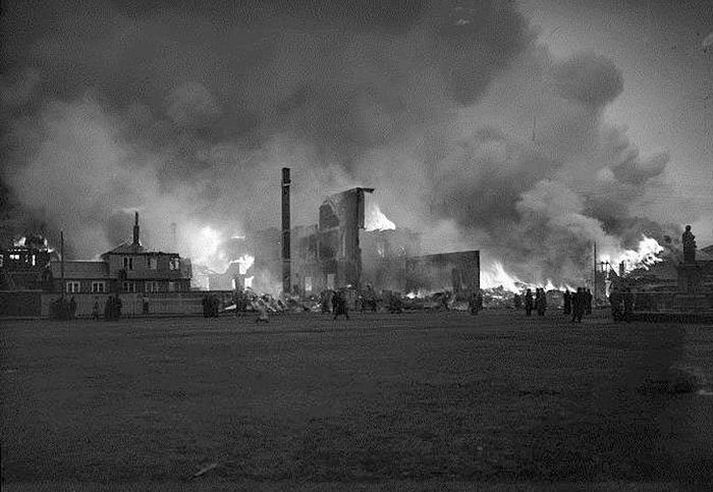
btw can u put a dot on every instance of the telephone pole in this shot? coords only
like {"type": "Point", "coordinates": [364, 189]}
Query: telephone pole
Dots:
{"type": "Point", "coordinates": [595, 274]}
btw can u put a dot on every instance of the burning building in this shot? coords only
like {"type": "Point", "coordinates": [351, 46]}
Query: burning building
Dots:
{"type": "Point", "coordinates": [345, 250]}
{"type": "Point", "coordinates": [129, 267]}
{"type": "Point", "coordinates": [26, 265]}
{"type": "Point", "coordinates": [31, 277]}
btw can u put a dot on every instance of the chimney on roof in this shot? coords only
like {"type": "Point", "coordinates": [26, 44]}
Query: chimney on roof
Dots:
{"type": "Point", "coordinates": [136, 230]}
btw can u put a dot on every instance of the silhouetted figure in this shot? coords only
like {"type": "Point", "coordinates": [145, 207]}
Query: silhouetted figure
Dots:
{"type": "Point", "coordinates": [689, 246]}
{"type": "Point", "coordinates": [567, 308]}
{"type": "Point", "coordinates": [72, 308]}
{"type": "Point", "coordinates": [588, 301]}
{"type": "Point", "coordinates": [578, 305]}
{"type": "Point", "coordinates": [339, 305]}
{"type": "Point", "coordinates": [326, 301]}
{"type": "Point", "coordinates": [95, 309]}
{"type": "Point", "coordinates": [395, 304]}
{"type": "Point", "coordinates": [475, 303]}
{"type": "Point", "coordinates": [517, 302]}
{"type": "Point", "coordinates": [262, 313]}
{"type": "Point", "coordinates": [204, 304]}
{"type": "Point", "coordinates": [616, 301]}
{"type": "Point", "coordinates": [540, 302]}
{"type": "Point", "coordinates": [528, 302]}
{"type": "Point", "coordinates": [109, 308]}
{"type": "Point", "coordinates": [628, 304]}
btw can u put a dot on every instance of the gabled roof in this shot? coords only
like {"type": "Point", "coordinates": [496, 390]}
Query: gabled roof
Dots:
{"type": "Point", "coordinates": [74, 270]}
{"type": "Point", "coordinates": [127, 248]}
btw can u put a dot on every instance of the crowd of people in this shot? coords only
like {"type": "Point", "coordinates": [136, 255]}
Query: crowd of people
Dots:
{"type": "Point", "coordinates": [538, 303]}
{"type": "Point", "coordinates": [576, 304]}
{"type": "Point", "coordinates": [338, 302]}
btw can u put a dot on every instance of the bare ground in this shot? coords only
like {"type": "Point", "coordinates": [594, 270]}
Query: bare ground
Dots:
{"type": "Point", "coordinates": [415, 401]}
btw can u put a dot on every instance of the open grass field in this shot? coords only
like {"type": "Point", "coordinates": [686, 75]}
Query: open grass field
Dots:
{"type": "Point", "coordinates": [380, 401]}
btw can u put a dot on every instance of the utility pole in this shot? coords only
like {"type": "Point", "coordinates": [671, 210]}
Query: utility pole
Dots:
{"type": "Point", "coordinates": [595, 273]}
{"type": "Point", "coordinates": [61, 260]}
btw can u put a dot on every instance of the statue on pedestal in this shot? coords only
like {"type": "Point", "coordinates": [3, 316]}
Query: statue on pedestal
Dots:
{"type": "Point", "coordinates": [689, 246]}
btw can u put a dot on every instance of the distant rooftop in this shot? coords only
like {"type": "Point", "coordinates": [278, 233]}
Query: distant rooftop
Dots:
{"type": "Point", "coordinates": [81, 269]}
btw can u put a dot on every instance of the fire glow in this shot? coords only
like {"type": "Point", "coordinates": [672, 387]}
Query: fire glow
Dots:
{"type": "Point", "coordinates": [375, 219]}
{"type": "Point", "coordinates": [205, 248]}
{"type": "Point", "coordinates": [244, 263]}
{"type": "Point", "coordinates": [496, 276]}
{"type": "Point", "coordinates": [644, 256]}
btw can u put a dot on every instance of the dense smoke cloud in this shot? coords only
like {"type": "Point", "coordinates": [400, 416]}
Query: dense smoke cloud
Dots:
{"type": "Point", "coordinates": [469, 130]}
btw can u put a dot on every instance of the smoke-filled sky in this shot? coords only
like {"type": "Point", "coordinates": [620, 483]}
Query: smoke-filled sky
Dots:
{"type": "Point", "coordinates": [526, 130]}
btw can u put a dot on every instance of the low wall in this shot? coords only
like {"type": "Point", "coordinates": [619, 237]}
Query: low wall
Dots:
{"type": "Point", "coordinates": [160, 303]}
{"type": "Point", "coordinates": [24, 303]}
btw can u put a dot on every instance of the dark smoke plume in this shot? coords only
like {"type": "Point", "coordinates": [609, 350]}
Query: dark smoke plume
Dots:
{"type": "Point", "coordinates": [472, 133]}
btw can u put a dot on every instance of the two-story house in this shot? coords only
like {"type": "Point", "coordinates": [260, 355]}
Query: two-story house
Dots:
{"type": "Point", "coordinates": [128, 268]}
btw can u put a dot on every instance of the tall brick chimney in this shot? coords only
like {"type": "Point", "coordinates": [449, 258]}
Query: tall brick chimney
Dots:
{"type": "Point", "coordinates": [286, 262]}
{"type": "Point", "coordinates": [136, 230]}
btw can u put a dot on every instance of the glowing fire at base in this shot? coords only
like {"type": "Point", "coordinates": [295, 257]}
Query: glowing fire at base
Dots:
{"type": "Point", "coordinates": [244, 263]}
{"type": "Point", "coordinates": [375, 220]}
{"type": "Point", "coordinates": [643, 257]}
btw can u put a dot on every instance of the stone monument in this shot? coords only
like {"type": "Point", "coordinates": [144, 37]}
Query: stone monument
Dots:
{"type": "Point", "coordinates": [689, 246]}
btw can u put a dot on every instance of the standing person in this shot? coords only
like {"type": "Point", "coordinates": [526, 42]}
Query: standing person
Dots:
{"type": "Point", "coordinates": [339, 304]}
{"type": "Point", "coordinates": [95, 309]}
{"type": "Point", "coordinates": [72, 307]}
{"type": "Point", "coordinates": [117, 306]}
{"type": "Point", "coordinates": [517, 302]}
{"type": "Point", "coordinates": [615, 300]}
{"type": "Point", "coordinates": [471, 304]}
{"type": "Point", "coordinates": [528, 302]}
{"type": "Point", "coordinates": [475, 302]}
{"type": "Point", "coordinates": [628, 304]}
{"type": "Point", "coordinates": [542, 303]}
{"type": "Point", "coordinates": [578, 305]}
{"type": "Point", "coordinates": [567, 308]}
{"type": "Point", "coordinates": [108, 308]}
{"type": "Point", "coordinates": [588, 301]}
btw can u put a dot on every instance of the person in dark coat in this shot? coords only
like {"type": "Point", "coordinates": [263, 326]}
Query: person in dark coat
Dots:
{"type": "Point", "coordinates": [628, 304]}
{"type": "Point", "coordinates": [110, 308]}
{"type": "Point", "coordinates": [326, 301]}
{"type": "Point", "coordinates": [339, 305]}
{"type": "Point", "coordinates": [567, 308]}
{"type": "Point", "coordinates": [528, 302]}
{"type": "Point", "coordinates": [578, 305]}
{"type": "Point", "coordinates": [588, 301]}
{"type": "Point", "coordinates": [541, 302]}
{"type": "Point", "coordinates": [517, 302]}
{"type": "Point", "coordinates": [616, 302]}
{"type": "Point", "coordinates": [95, 309]}
{"type": "Point", "coordinates": [72, 308]}
{"type": "Point", "coordinates": [117, 306]}
{"type": "Point", "coordinates": [204, 305]}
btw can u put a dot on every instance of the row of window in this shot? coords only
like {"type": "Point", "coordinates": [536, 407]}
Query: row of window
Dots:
{"type": "Point", "coordinates": [17, 257]}
{"type": "Point", "coordinates": [99, 287]}
{"type": "Point", "coordinates": [151, 263]}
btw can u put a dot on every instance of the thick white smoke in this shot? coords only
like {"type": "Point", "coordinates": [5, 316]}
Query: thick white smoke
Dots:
{"type": "Point", "coordinates": [473, 134]}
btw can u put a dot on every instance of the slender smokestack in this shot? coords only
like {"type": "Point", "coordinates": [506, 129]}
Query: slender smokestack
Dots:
{"type": "Point", "coordinates": [61, 259]}
{"type": "Point", "coordinates": [136, 229]}
{"type": "Point", "coordinates": [286, 267]}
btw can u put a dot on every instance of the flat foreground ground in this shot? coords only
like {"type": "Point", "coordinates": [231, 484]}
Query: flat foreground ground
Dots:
{"type": "Point", "coordinates": [394, 401]}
